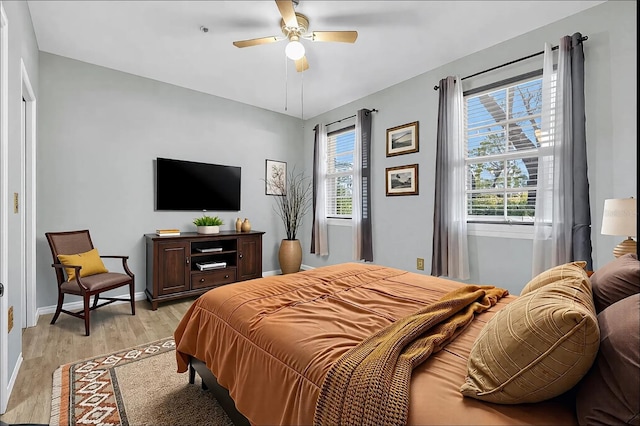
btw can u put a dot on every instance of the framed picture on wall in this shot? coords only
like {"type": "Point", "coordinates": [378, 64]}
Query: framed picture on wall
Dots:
{"type": "Point", "coordinates": [402, 139]}
{"type": "Point", "coordinates": [275, 177]}
{"type": "Point", "coordinates": [402, 180]}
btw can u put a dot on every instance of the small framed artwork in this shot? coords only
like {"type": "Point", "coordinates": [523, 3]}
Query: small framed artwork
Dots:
{"type": "Point", "coordinates": [275, 177]}
{"type": "Point", "coordinates": [402, 139]}
{"type": "Point", "coordinates": [402, 180]}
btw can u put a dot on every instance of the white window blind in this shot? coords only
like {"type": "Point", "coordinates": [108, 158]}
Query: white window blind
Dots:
{"type": "Point", "coordinates": [503, 135]}
{"type": "Point", "coordinates": [339, 183]}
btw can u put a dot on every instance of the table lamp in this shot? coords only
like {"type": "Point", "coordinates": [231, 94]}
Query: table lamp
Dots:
{"type": "Point", "coordinates": [620, 218]}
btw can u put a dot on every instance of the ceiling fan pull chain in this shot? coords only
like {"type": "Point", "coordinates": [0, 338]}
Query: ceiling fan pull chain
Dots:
{"type": "Point", "coordinates": [286, 85]}
{"type": "Point", "coordinates": [302, 96]}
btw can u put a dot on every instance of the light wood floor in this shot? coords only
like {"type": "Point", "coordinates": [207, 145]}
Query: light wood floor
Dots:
{"type": "Point", "coordinates": [45, 347]}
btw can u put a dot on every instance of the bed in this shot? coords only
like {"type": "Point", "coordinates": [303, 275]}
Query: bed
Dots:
{"type": "Point", "coordinates": [565, 351]}
{"type": "Point", "coordinates": [270, 342]}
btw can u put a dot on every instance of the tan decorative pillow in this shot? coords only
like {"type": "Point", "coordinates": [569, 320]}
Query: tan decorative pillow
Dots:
{"type": "Point", "coordinates": [572, 269]}
{"type": "Point", "coordinates": [537, 347]}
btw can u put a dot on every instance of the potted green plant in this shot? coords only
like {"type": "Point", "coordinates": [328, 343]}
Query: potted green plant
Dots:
{"type": "Point", "coordinates": [292, 203]}
{"type": "Point", "coordinates": [207, 224]}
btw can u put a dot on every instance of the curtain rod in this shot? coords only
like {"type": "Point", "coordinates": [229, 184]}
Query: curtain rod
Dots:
{"type": "Point", "coordinates": [346, 118]}
{"type": "Point", "coordinates": [583, 38]}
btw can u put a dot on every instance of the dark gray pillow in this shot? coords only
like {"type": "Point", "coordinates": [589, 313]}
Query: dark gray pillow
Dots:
{"type": "Point", "coordinates": [616, 280]}
{"type": "Point", "coordinates": [610, 392]}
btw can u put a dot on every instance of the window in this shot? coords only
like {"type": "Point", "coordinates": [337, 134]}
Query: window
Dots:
{"type": "Point", "coordinates": [340, 148]}
{"type": "Point", "coordinates": [503, 132]}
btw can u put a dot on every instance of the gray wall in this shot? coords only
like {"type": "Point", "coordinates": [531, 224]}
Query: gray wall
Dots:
{"type": "Point", "coordinates": [99, 132]}
{"type": "Point", "coordinates": [403, 226]}
{"type": "Point", "coordinates": [22, 45]}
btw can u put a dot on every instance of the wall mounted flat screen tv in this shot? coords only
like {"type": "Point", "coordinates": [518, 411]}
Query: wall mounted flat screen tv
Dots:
{"type": "Point", "coordinates": [188, 185]}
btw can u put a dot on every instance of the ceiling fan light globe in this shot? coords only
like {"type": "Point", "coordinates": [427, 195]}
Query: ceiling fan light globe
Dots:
{"type": "Point", "coordinates": [294, 50]}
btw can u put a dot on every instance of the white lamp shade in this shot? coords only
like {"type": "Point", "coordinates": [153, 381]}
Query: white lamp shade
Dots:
{"type": "Point", "coordinates": [620, 217]}
{"type": "Point", "coordinates": [294, 50]}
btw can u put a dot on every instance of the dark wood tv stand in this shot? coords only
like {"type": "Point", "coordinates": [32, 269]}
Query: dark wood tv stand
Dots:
{"type": "Point", "coordinates": [172, 262]}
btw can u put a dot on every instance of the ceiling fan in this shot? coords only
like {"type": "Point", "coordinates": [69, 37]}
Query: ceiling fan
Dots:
{"type": "Point", "coordinates": [294, 27]}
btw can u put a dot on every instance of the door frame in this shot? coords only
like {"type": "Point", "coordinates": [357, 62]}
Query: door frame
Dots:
{"type": "Point", "coordinates": [28, 212]}
{"type": "Point", "coordinates": [4, 210]}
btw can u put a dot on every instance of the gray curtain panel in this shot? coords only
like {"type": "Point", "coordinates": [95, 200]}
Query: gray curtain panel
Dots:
{"type": "Point", "coordinates": [582, 248]}
{"type": "Point", "coordinates": [316, 157]}
{"type": "Point", "coordinates": [364, 115]}
{"type": "Point", "coordinates": [563, 199]}
{"type": "Point", "coordinates": [439, 256]}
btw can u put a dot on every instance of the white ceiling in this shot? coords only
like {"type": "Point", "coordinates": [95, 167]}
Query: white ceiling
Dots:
{"type": "Point", "coordinates": [397, 40]}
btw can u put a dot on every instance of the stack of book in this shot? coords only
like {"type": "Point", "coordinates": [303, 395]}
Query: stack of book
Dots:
{"type": "Point", "coordinates": [205, 266]}
{"type": "Point", "coordinates": [167, 232]}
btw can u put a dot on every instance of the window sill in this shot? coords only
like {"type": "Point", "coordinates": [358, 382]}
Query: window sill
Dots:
{"type": "Point", "coordinates": [339, 222]}
{"type": "Point", "coordinates": [500, 230]}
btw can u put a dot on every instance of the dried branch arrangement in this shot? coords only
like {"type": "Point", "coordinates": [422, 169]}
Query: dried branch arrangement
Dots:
{"type": "Point", "coordinates": [294, 202]}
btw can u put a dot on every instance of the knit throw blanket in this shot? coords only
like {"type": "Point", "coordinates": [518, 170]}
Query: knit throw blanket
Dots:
{"type": "Point", "coordinates": [369, 385]}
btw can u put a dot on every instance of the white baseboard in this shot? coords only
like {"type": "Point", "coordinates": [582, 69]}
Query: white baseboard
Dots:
{"type": "Point", "coordinates": [79, 304]}
{"type": "Point", "coordinates": [14, 376]}
{"type": "Point", "coordinates": [279, 272]}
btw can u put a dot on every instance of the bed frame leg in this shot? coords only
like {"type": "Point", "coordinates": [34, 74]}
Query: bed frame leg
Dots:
{"type": "Point", "coordinates": [192, 377]}
{"type": "Point", "coordinates": [192, 374]}
{"type": "Point", "coordinates": [210, 383]}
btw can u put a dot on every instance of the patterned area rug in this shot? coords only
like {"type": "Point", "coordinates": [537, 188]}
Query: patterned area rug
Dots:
{"type": "Point", "coordinates": [136, 386]}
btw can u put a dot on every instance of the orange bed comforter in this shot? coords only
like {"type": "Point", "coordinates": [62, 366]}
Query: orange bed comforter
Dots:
{"type": "Point", "coordinates": [271, 341]}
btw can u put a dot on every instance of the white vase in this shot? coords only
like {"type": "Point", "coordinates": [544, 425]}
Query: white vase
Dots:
{"type": "Point", "coordinates": [207, 229]}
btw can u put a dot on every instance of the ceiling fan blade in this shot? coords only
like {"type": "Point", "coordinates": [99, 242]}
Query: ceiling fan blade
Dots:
{"type": "Point", "coordinates": [302, 64]}
{"type": "Point", "coordinates": [341, 36]}
{"type": "Point", "coordinates": [255, 41]}
{"type": "Point", "coordinates": [288, 13]}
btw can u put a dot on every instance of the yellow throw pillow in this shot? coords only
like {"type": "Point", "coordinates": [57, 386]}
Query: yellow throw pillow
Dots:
{"type": "Point", "coordinates": [90, 262]}
{"type": "Point", "coordinates": [557, 273]}
{"type": "Point", "coordinates": [537, 347]}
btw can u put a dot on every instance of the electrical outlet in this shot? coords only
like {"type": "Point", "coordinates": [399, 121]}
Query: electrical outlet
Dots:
{"type": "Point", "coordinates": [420, 264]}
{"type": "Point", "coordinates": [10, 319]}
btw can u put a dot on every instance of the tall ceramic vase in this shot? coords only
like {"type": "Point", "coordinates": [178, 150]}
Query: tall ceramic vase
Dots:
{"type": "Point", "coordinates": [290, 256]}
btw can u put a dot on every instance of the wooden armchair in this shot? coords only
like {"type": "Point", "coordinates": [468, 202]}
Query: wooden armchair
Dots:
{"type": "Point", "coordinates": [82, 284]}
